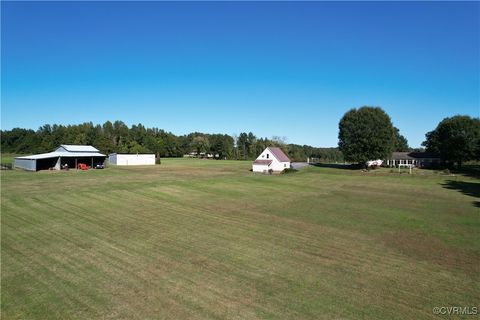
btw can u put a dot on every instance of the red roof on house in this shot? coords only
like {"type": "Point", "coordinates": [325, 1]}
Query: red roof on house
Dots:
{"type": "Point", "coordinates": [267, 162]}
{"type": "Point", "coordinates": [278, 153]}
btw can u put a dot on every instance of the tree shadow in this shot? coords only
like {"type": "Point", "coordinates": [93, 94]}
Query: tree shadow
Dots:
{"type": "Point", "coordinates": [467, 188]}
{"type": "Point", "coordinates": [337, 166]}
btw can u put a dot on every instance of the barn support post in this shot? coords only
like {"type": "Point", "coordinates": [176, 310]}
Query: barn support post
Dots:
{"type": "Point", "coordinates": [76, 167]}
{"type": "Point", "coordinates": [58, 164]}
{"type": "Point", "coordinates": [92, 163]}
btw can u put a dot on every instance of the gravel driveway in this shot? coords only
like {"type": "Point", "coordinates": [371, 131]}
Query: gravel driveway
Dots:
{"type": "Point", "coordinates": [299, 165]}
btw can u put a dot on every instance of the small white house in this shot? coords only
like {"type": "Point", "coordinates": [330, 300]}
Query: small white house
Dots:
{"type": "Point", "coordinates": [272, 158]}
{"type": "Point", "coordinates": [121, 159]}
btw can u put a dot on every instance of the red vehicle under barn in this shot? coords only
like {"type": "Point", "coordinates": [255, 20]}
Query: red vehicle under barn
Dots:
{"type": "Point", "coordinates": [82, 166]}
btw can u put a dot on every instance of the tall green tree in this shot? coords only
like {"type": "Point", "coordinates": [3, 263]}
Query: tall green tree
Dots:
{"type": "Point", "coordinates": [251, 142]}
{"type": "Point", "coordinates": [365, 134]}
{"type": "Point", "coordinates": [221, 145]}
{"type": "Point", "coordinates": [401, 143]}
{"type": "Point", "coordinates": [243, 145]}
{"type": "Point", "coordinates": [200, 143]}
{"type": "Point", "coordinates": [121, 135]}
{"type": "Point", "coordinates": [456, 139]}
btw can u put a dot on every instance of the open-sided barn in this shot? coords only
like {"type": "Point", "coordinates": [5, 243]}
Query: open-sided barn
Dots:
{"type": "Point", "coordinates": [69, 155]}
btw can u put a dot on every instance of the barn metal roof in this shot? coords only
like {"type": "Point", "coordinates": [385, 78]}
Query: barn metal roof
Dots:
{"type": "Point", "coordinates": [67, 151]}
{"type": "Point", "coordinates": [78, 148]}
{"type": "Point", "coordinates": [62, 154]}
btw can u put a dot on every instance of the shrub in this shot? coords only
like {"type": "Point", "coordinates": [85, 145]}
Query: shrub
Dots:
{"type": "Point", "coordinates": [289, 170]}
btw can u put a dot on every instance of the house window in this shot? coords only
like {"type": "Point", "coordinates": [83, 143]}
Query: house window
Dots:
{"type": "Point", "coordinates": [284, 165]}
{"type": "Point", "coordinates": [267, 155]}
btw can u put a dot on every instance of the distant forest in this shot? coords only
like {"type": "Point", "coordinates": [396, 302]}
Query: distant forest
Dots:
{"type": "Point", "coordinates": [118, 137]}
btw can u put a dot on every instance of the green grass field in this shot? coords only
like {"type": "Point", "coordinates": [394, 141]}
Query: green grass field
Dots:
{"type": "Point", "coordinates": [199, 239]}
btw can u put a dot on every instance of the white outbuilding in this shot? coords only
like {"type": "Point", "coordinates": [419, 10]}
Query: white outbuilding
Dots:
{"type": "Point", "coordinates": [272, 159]}
{"type": "Point", "coordinates": [122, 159]}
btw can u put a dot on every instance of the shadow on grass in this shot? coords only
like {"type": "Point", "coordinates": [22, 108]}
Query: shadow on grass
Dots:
{"type": "Point", "coordinates": [468, 188]}
{"type": "Point", "coordinates": [337, 166]}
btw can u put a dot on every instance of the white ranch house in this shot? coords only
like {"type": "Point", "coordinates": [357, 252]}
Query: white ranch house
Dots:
{"type": "Point", "coordinates": [415, 159]}
{"type": "Point", "coordinates": [272, 158]}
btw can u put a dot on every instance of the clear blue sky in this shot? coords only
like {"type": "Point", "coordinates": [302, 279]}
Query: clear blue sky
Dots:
{"type": "Point", "coordinates": [274, 68]}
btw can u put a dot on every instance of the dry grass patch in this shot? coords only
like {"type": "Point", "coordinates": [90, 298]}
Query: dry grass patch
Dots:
{"type": "Point", "coordinates": [428, 248]}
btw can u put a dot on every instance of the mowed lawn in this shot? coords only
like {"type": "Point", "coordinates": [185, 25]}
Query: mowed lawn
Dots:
{"type": "Point", "coordinates": [200, 239]}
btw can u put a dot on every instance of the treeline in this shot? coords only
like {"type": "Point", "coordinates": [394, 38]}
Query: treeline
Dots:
{"type": "Point", "coordinates": [118, 137]}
